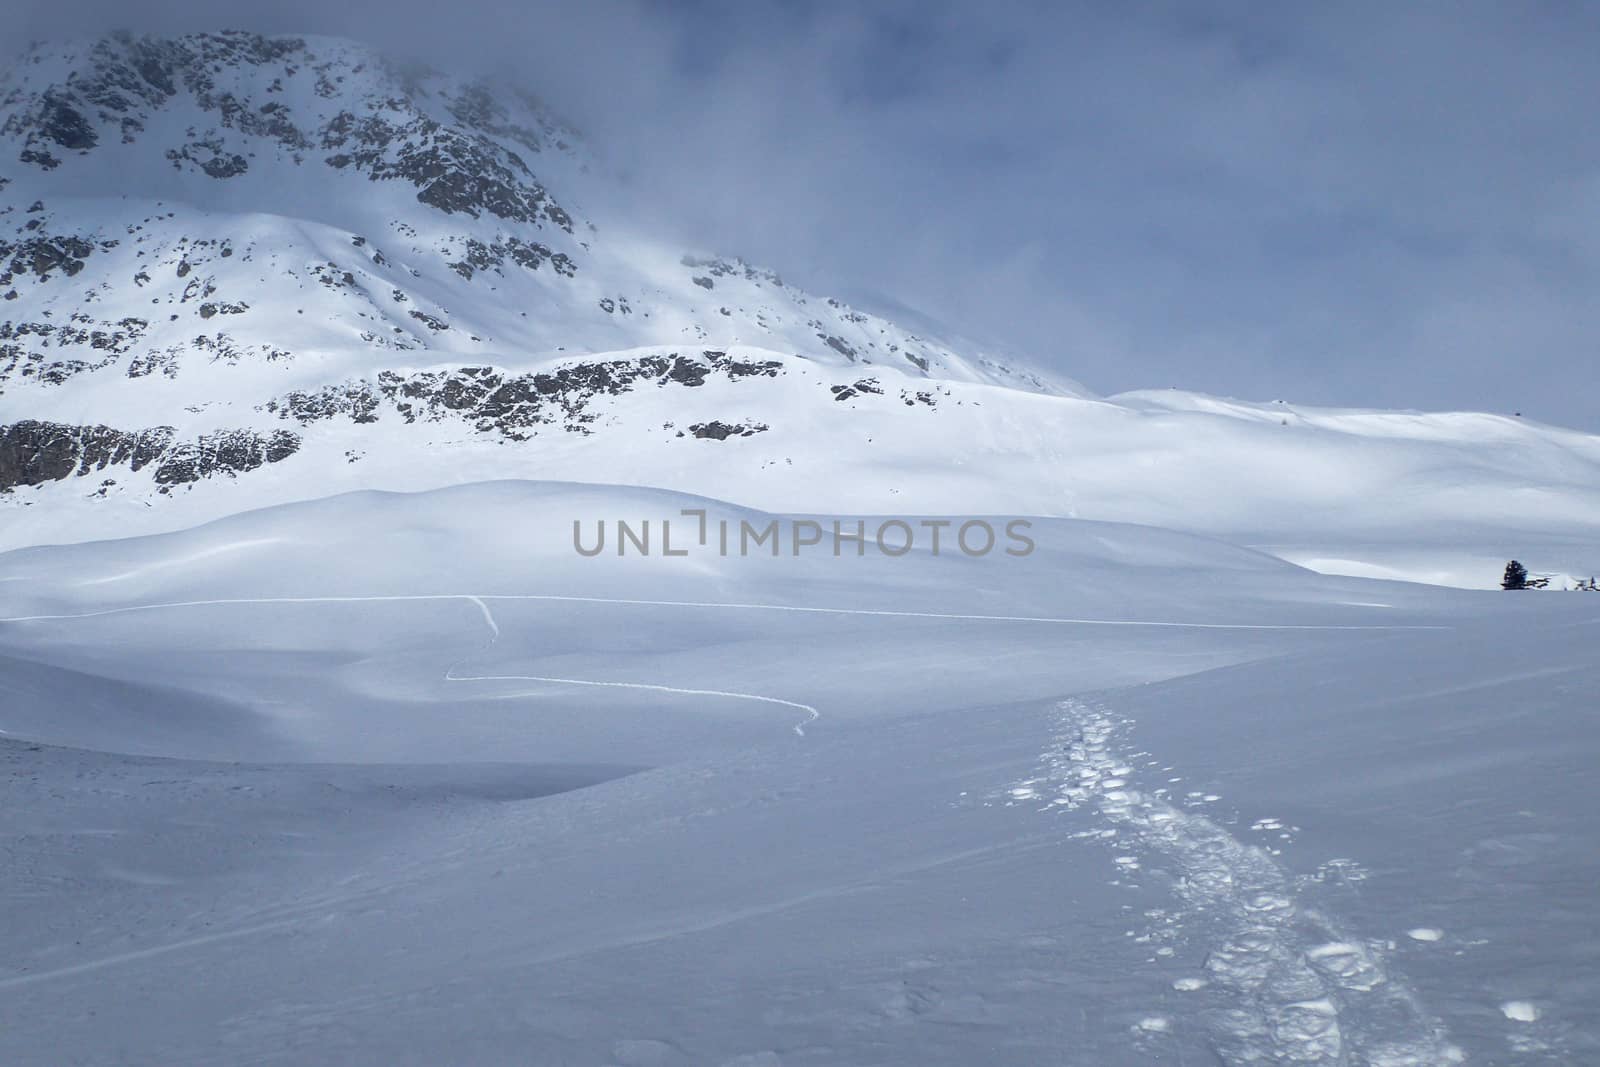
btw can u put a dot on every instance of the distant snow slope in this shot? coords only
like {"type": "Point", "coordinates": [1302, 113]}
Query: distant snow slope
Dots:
{"type": "Point", "coordinates": [1135, 797]}
{"type": "Point", "coordinates": [1439, 498]}
{"type": "Point", "coordinates": [241, 270]}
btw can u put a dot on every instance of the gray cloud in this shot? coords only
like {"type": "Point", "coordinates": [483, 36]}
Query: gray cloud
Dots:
{"type": "Point", "coordinates": [1366, 204]}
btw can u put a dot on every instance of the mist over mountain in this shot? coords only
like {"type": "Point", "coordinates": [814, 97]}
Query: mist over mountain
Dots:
{"type": "Point", "coordinates": [1356, 207]}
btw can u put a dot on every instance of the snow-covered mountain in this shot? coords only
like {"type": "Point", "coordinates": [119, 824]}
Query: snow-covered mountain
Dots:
{"type": "Point", "coordinates": [211, 241]}
{"type": "Point", "coordinates": [241, 270]}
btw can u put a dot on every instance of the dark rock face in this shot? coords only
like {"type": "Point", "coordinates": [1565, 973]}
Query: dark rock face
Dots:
{"type": "Point", "coordinates": [43, 256]}
{"type": "Point", "coordinates": [717, 430]}
{"type": "Point", "coordinates": [64, 125]}
{"type": "Point", "coordinates": [32, 452]}
{"type": "Point", "coordinates": [211, 156]}
{"type": "Point", "coordinates": [455, 157]}
{"type": "Point", "coordinates": [514, 406]}
{"type": "Point", "coordinates": [529, 254]}
{"type": "Point", "coordinates": [860, 388]}
{"type": "Point", "coordinates": [453, 170]}
{"type": "Point", "coordinates": [355, 399]}
{"type": "Point", "coordinates": [127, 78]}
{"type": "Point", "coordinates": [224, 452]}
{"type": "Point", "coordinates": [722, 268]}
{"type": "Point", "coordinates": [432, 322]}
{"type": "Point", "coordinates": [839, 345]}
{"type": "Point", "coordinates": [27, 348]}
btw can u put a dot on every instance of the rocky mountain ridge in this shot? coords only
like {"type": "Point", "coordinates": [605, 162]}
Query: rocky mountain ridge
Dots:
{"type": "Point", "coordinates": [205, 235]}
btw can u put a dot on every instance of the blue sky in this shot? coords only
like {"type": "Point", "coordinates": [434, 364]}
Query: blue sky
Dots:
{"type": "Point", "coordinates": [1354, 203]}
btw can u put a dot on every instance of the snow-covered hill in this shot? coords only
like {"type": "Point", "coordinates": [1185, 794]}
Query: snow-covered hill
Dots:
{"type": "Point", "coordinates": [241, 270]}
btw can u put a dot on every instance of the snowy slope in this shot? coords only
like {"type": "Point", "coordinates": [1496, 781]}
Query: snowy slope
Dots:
{"type": "Point", "coordinates": [241, 271]}
{"type": "Point", "coordinates": [1441, 498]}
{"type": "Point", "coordinates": [322, 742]}
{"type": "Point", "coordinates": [209, 242]}
{"type": "Point", "coordinates": [251, 215]}
{"type": "Point", "coordinates": [1122, 800]}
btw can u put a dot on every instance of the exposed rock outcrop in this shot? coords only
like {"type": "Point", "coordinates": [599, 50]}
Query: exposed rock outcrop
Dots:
{"type": "Point", "coordinates": [34, 452]}
{"type": "Point", "coordinates": [863, 387]}
{"type": "Point", "coordinates": [512, 405]}
{"type": "Point", "coordinates": [717, 430]}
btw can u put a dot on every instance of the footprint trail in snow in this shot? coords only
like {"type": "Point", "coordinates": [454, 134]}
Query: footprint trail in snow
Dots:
{"type": "Point", "coordinates": [1287, 985]}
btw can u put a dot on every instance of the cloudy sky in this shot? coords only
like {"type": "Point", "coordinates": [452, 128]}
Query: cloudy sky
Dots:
{"type": "Point", "coordinates": [1374, 204]}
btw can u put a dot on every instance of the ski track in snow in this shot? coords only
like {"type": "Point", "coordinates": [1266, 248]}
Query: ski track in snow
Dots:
{"type": "Point", "coordinates": [478, 600]}
{"type": "Point", "coordinates": [481, 598]}
{"type": "Point", "coordinates": [488, 618]}
{"type": "Point", "coordinates": [1288, 1006]}
{"type": "Point", "coordinates": [481, 601]}
{"type": "Point", "coordinates": [494, 636]}
{"type": "Point", "coordinates": [88, 966]}
{"type": "Point", "coordinates": [799, 728]}
{"type": "Point", "coordinates": [1295, 987]}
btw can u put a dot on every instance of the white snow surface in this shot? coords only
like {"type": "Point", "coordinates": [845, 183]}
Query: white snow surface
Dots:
{"type": "Point", "coordinates": [1445, 499]}
{"type": "Point", "coordinates": [404, 779]}
{"type": "Point", "coordinates": [353, 757]}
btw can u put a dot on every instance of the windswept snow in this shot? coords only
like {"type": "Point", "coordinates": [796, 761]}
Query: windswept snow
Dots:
{"type": "Point", "coordinates": [272, 828]}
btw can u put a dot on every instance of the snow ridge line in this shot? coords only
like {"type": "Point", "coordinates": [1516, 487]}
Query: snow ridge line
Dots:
{"type": "Point", "coordinates": [1296, 988]}
{"type": "Point", "coordinates": [481, 598]}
